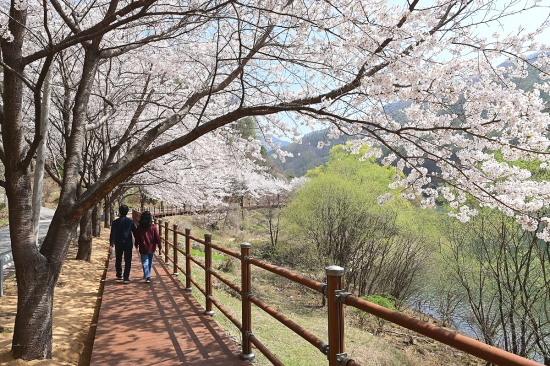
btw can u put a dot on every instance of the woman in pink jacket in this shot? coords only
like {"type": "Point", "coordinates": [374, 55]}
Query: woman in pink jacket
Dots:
{"type": "Point", "coordinates": [147, 239]}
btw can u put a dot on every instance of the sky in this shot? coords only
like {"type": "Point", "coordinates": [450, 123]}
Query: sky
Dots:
{"type": "Point", "coordinates": [527, 21]}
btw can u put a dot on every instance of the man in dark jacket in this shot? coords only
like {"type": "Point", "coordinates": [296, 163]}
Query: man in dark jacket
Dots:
{"type": "Point", "coordinates": [121, 238]}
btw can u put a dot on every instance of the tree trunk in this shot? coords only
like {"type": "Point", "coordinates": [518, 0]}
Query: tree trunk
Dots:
{"type": "Point", "coordinates": [107, 213]}
{"type": "Point", "coordinates": [85, 238]}
{"type": "Point", "coordinates": [41, 156]}
{"type": "Point", "coordinates": [32, 337]}
{"type": "Point", "coordinates": [36, 277]}
{"type": "Point", "coordinates": [96, 221]}
{"type": "Point", "coordinates": [37, 274]}
{"type": "Point", "coordinates": [111, 214]}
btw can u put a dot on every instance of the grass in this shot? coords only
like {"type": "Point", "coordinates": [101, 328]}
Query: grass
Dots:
{"type": "Point", "coordinates": [392, 346]}
{"type": "Point", "coordinates": [299, 304]}
{"type": "Point", "coordinates": [267, 330]}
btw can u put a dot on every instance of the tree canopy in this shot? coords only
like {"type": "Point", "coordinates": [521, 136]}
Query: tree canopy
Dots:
{"type": "Point", "coordinates": [344, 210]}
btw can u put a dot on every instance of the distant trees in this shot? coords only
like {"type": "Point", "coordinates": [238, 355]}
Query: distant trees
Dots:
{"type": "Point", "coordinates": [503, 273]}
{"type": "Point", "coordinates": [502, 269]}
{"type": "Point", "coordinates": [338, 211]}
{"type": "Point", "coordinates": [272, 218]}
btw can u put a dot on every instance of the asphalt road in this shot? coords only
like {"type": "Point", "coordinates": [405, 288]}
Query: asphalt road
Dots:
{"type": "Point", "coordinates": [46, 215]}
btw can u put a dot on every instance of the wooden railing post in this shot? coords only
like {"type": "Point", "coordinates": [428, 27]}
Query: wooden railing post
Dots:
{"type": "Point", "coordinates": [246, 351]}
{"type": "Point", "coordinates": [166, 238]}
{"type": "Point", "coordinates": [188, 259]}
{"type": "Point", "coordinates": [335, 284]}
{"type": "Point", "coordinates": [208, 273]}
{"type": "Point", "coordinates": [160, 231]}
{"type": "Point", "coordinates": [175, 227]}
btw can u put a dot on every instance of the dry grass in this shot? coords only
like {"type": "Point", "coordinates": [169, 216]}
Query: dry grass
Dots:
{"type": "Point", "coordinates": [3, 215]}
{"type": "Point", "coordinates": [75, 299]}
{"type": "Point", "coordinates": [391, 346]}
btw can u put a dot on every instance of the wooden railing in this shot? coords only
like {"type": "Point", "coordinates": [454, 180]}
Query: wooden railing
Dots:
{"type": "Point", "coordinates": [164, 211]}
{"type": "Point", "coordinates": [187, 209]}
{"type": "Point", "coordinates": [334, 291]}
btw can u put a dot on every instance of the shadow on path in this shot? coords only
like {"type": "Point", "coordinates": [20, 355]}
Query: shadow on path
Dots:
{"type": "Point", "coordinates": [157, 324]}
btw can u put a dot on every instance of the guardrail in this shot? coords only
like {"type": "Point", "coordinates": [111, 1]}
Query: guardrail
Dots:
{"type": "Point", "coordinates": [334, 291]}
{"type": "Point", "coordinates": [6, 260]}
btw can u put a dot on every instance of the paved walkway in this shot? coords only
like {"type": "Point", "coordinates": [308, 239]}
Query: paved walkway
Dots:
{"type": "Point", "coordinates": [156, 324]}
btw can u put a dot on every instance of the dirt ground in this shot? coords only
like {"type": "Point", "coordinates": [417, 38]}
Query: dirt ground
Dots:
{"type": "Point", "coordinates": [75, 300]}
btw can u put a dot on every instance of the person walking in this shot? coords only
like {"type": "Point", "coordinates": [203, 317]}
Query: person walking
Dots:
{"type": "Point", "coordinates": [147, 239]}
{"type": "Point", "coordinates": [121, 239]}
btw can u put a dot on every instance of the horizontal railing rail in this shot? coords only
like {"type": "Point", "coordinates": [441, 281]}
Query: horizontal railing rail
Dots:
{"type": "Point", "coordinates": [456, 340]}
{"type": "Point", "coordinates": [165, 211]}
{"type": "Point", "coordinates": [334, 291]}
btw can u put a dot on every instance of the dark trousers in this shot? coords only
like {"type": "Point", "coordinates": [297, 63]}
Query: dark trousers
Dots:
{"type": "Point", "coordinates": [119, 251]}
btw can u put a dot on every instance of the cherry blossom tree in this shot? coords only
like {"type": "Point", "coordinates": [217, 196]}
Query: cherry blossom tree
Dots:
{"type": "Point", "coordinates": [189, 69]}
{"type": "Point", "coordinates": [210, 174]}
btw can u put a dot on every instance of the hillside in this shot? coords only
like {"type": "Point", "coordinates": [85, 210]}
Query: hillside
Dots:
{"type": "Point", "coordinates": [307, 155]}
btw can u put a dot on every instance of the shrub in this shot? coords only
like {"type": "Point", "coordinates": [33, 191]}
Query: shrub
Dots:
{"type": "Point", "coordinates": [388, 301]}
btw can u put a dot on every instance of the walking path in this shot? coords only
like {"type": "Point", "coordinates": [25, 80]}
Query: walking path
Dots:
{"type": "Point", "coordinates": [156, 324]}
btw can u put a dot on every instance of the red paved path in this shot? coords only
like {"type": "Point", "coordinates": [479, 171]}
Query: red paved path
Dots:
{"type": "Point", "coordinates": [157, 324]}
